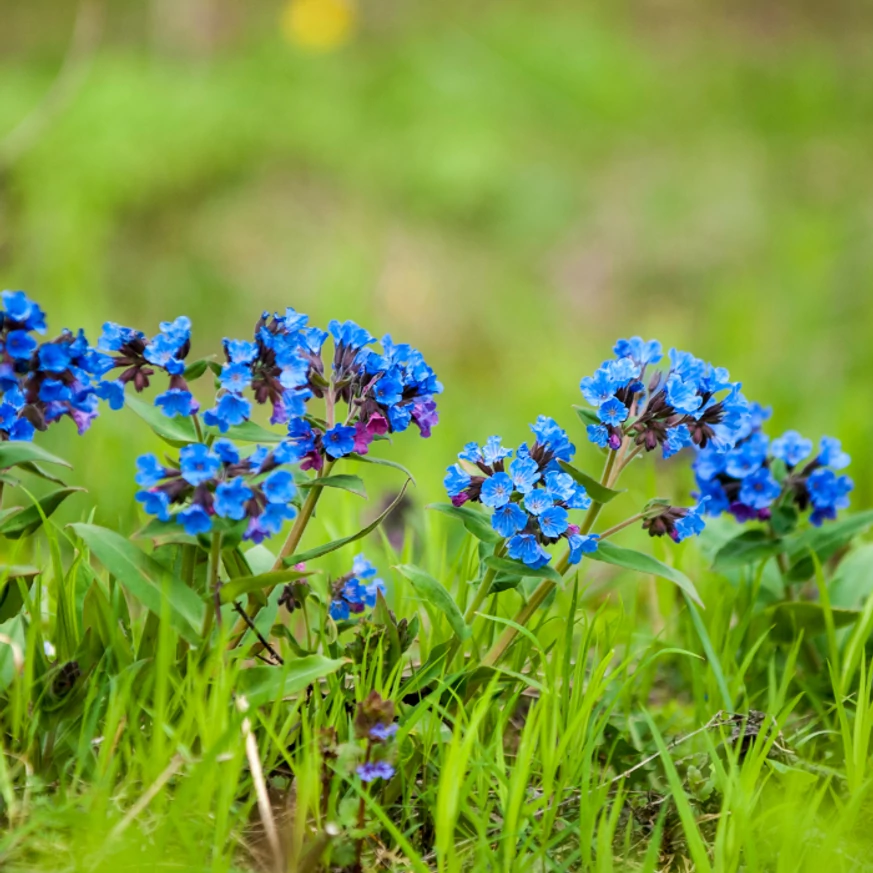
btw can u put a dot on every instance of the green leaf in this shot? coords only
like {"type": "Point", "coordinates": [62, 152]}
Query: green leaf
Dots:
{"type": "Point", "coordinates": [163, 533]}
{"type": "Point", "coordinates": [332, 546]}
{"type": "Point", "coordinates": [789, 618]}
{"type": "Point", "coordinates": [11, 597]}
{"type": "Point", "coordinates": [247, 432]}
{"type": "Point", "coordinates": [587, 415]}
{"type": "Point", "coordinates": [345, 481]}
{"type": "Point", "coordinates": [196, 369]}
{"type": "Point", "coordinates": [517, 568]}
{"type": "Point", "coordinates": [175, 431]}
{"type": "Point", "coordinates": [35, 470]}
{"type": "Point", "coordinates": [476, 522]}
{"type": "Point", "coordinates": [609, 553]}
{"type": "Point", "coordinates": [244, 584]}
{"type": "Point", "coordinates": [14, 454]}
{"type": "Point", "coordinates": [26, 521]}
{"type": "Point", "coordinates": [381, 462]}
{"type": "Point", "coordinates": [749, 547]}
{"type": "Point", "coordinates": [784, 519]}
{"type": "Point", "coordinates": [825, 542]}
{"type": "Point", "coordinates": [266, 684]}
{"type": "Point", "coordinates": [597, 492]}
{"type": "Point", "coordinates": [147, 581]}
{"type": "Point", "coordinates": [434, 593]}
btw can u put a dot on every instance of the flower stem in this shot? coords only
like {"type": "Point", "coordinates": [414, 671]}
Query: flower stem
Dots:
{"type": "Point", "coordinates": [622, 525]}
{"type": "Point", "coordinates": [288, 549]}
{"type": "Point", "coordinates": [189, 562]}
{"type": "Point", "coordinates": [214, 566]}
{"type": "Point", "coordinates": [484, 586]}
{"type": "Point", "coordinates": [545, 587]}
{"type": "Point", "coordinates": [197, 429]}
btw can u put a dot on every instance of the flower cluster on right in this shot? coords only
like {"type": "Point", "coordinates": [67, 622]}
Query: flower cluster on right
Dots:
{"type": "Point", "coordinates": [530, 498]}
{"type": "Point", "coordinates": [759, 474]}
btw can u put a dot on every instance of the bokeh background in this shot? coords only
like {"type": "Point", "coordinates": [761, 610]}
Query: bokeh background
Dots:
{"type": "Point", "coordinates": [510, 186]}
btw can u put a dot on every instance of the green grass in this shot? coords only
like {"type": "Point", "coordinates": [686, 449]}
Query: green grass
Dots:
{"type": "Point", "coordinates": [510, 191]}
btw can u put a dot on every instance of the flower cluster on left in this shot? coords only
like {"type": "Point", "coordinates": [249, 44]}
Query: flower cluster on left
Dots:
{"type": "Point", "coordinates": [40, 383]}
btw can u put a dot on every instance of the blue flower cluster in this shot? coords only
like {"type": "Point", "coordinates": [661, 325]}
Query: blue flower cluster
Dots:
{"type": "Point", "coordinates": [140, 357]}
{"type": "Point", "coordinates": [691, 403]}
{"type": "Point", "coordinates": [216, 481]}
{"type": "Point", "coordinates": [531, 496]}
{"type": "Point", "coordinates": [40, 383]}
{"type": "Point", "coordinates": [356, 591]}
{"type": "Point", "coordinates": [758, 474]}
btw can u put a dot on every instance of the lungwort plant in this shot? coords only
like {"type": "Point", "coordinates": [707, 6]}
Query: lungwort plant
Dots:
{"type": "Point", "coordinates": [219, 597]}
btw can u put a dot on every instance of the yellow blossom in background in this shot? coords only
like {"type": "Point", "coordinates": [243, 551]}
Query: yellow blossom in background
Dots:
{"type": "Point", "coordinates": [319, 25]}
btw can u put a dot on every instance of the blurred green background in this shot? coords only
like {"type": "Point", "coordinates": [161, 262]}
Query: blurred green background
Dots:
{"type": "Point", "coordinates": [510, 186]}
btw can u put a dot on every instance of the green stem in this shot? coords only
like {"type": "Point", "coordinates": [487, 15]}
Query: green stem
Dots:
{"type": "Point", "coordinates": [484, 586]}
{"type": "Point", "coordinates": [214, 566]}
{"type": "Point", "coordinates": [197, 429]}
{"type": "Point", "coordinates": [288, 548]}
{"type": "Point", "coordinates": [546, 587]}
{"type": "Point", "coordinates": [622, 525]}
{"type": "Point", "coordinates": [189, 562]}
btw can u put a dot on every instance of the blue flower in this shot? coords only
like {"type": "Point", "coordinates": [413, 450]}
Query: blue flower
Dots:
{"type": "Point", "coordinates": [579, 499]}
{"type": "Point", "coordinates": [492, 452]}
{"type": "Point", "coordinates": [362, 567]}
{"type": "Point", "coordinates": [472, 453]}
{"type": "Point", "coordinates": [553, 437]}
{"type": "Point", "coordinates": [388, 390]}
{"type": "Point", "coordinates": [371, 592]}
{"type": "Point", "coordinates": [827, 490]}
{"type": "Point", "coordinates": [54, 357]}
{"type": "Point", "coordinates": [53, 390]}
{"type": "Point", "coordinates": [195, 519]}
{"type": "Point", "coordinates": [399, 418]}
{"type": "Point", "coordinates": [554, 521]}
{"type": "Point", "coordinates": [349, 335]}
{"type": "Point", "coordinates": [641, 352]}
{"type": "Point", "coordinates": [274, 517]}
{"type": "Point", "coordinates": [597, 389]}
{"type": "Point", "coordinates": [383, 732]}
{"type": "Point", "coordinates": [525, 548]}
{"type": "Point", "coordinates": [598, 434]}
{"type": "Point", "coordinates": [20, 345]}
{"type": "Point", "coordinates": [831, 454]}
{"type": "Point", "coordinates": [300, 430]}
{"type": "Point", "coordinates": [231, 410]}
{"type": "Point", "coordinates": [236, 377]}
{"type": "Point", "coordinates": [509, 519]}
{"type": "Point", "coordinates": [240, 351]}
{"type": "Point", "coordinates": [112, 392]}
{"type": "Point", "coordinates": [525, 473]}
{"type": "Point", "coordinates": [538, 501]}
{"type": "Point", "coordinates": [150, 471]}
{"type": "Point", "coordinates": [155, 503]}
{"type": "Point", "coordinates": [682, 395]}
{"type": "Point", "coordinates": [690, 524]}
{"type": "Point", "coordinates": [339, 441]}
{"type": "Point", "coordinates": [176, 401]}
{"type": "Point", "coordinates": [613, 412]}
{"type": "Point", "coordinates": [791, 447]}
{"type": "Point", "coordinates": [496, 490]}
{"type": "Point", "coordinates": [759, 489]}
{"type": "Point", "coordinates": [339, 610]}
{"type": "Point", "coordinates": [279, 487]}
{"type": "Point", "coordinates": [22, 310]}
{"type": "Point", "coordinates": [678, 438]}
{"type": "Point", "coordinates": [560, 486]}
{"type": "Point", "coordinates": [747, 457]}
{"type": "Point", "coordinates": [231, 498]}
{"type": "Point", "coordinates": [581, 544]}
{"type": "Point", "coordinates": [373, 770]}
{"type": "Point", "coordinates": [198, 464]}
{"type": "Point", "coordinates": [115, 336]}
{"type": "Point", "coordinates": [456, 480]}
{"type": "Point", "coordinates": [228, 452]}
